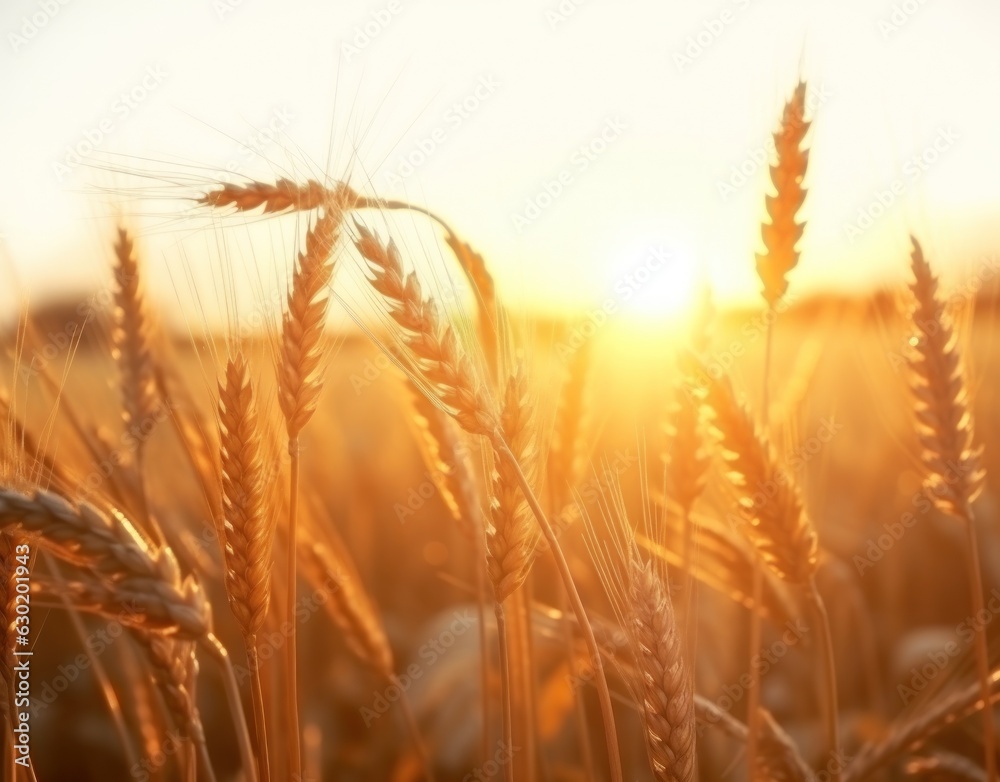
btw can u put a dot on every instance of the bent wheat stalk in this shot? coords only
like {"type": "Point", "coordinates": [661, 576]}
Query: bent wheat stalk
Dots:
{"type": "Point", "coordinates": [450, 378]}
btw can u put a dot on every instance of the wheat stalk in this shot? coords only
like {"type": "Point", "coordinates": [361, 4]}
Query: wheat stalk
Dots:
{"type": "Point", "coordinates": [954, 475]}
{"type": "Point", "coordinates": [248, 529]}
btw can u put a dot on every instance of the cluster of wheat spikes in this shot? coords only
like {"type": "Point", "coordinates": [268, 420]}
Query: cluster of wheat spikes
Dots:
{"type": "Point", "coordinates": [512, 466]}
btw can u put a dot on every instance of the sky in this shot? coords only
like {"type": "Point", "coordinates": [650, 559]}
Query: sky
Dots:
{"type": "Point", "coordinates": [577, 144]}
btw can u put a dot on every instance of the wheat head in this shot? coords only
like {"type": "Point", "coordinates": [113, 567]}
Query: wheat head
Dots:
{"type": "Point", "coordinates": [248, 529]}
{"type": "Point", "coordinates": [945, 427]}
{"type": "Point", "coordinates": [782, 234]}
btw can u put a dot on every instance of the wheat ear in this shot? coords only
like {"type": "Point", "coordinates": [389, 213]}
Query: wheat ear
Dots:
{"type": "Point", "coordinates": [109, 546]}
{"type": "Point", "coordinates": [660, 681]}
{"type": "Point", "coordinates": [353, 613]}
{"type": "Point", "coordinates": [512, 536]}
{"type": "Point", "coordinates": [175, 669]}
{"type": "Point", "coordinates": [131, 349]}
{"type": "Point", "coordinates": [436, 348]}
{"type": "Point", "coordinates": [782, 234]}
{"type": "Point", "coordinates": [952, 461]}
{"type": "Point", "coordinates": [447, 459]}
{"type": "Point", "coordinates": [475, 270]}
{"type": "Point", "coordinates": [248, 530]}
{"type": "Point", "coordinates": [777, 526]}
{"type": "Point", "coordinates": [779, 760]}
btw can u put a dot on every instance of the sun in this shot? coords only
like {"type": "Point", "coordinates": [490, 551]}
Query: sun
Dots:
{"type": "Point", "coordinates": [657, 282]}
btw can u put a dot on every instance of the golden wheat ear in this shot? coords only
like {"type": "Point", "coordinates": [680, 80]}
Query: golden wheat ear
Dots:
{"type": "Point", "coordinates": [771, 508]}
{"type": "Point", "coordinates": [300, 365]}
{"type": "Point", "coordinates": [248, 530]}
{"type": "Point", "coordinates": [660, 681]}
{"type": "Point", "coordinates": [512, 536]}
{"type": "Point", "coordinates": [131, 337]}
{"type": "Point", "coordinates": [782, 234]}
{"type": "Point", "coordinates": [446, 370]}
{"type": "Point", "coordinates": [952, 461]}
{"type": "Point", "coordinates": [283, 195]}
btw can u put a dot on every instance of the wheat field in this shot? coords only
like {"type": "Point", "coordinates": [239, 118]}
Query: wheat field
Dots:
{"type": "Point", "coordinates": [451, 539]}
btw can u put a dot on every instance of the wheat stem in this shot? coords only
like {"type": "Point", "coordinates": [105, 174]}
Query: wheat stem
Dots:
{"type": "Point", "coordinates": [214, 648]}
{"type": "Point", "coordinates": [982, 651]}
{"type": "Point", "coordinates": [604, 694]}
{"type": "Point", "coordinates": [291, 656]}
{"type": "Point", "coordinates": [829, 692]}
{"type": "Point", "coordinates": [503, 640]}
{"type": "Point", "coordinates": [413, 728]}
{"type": "Point", "coordinates": [259, 709]}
